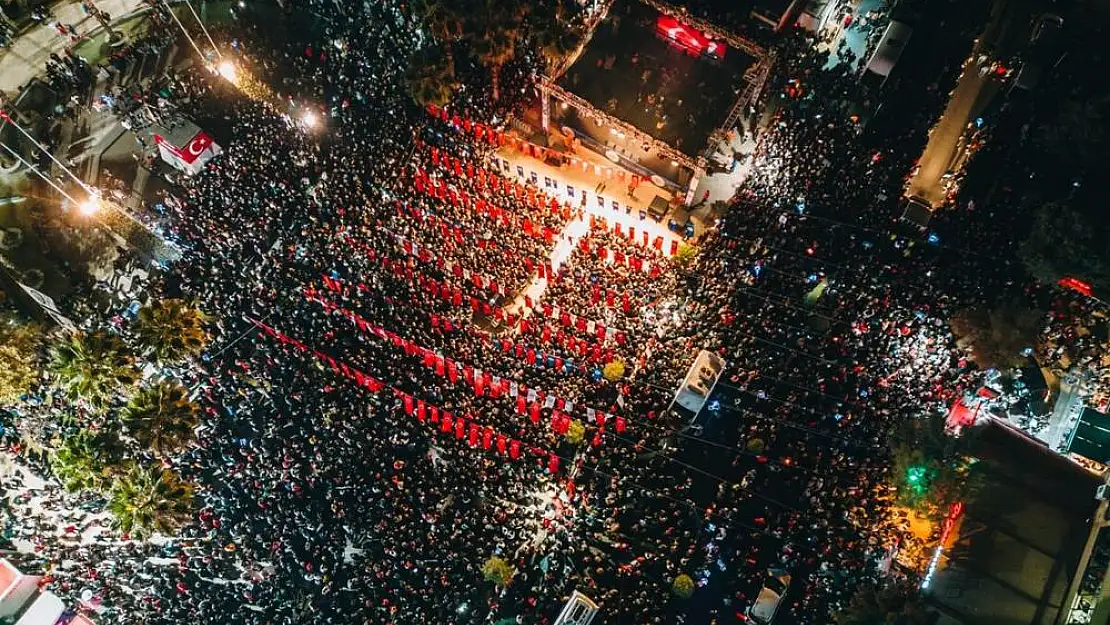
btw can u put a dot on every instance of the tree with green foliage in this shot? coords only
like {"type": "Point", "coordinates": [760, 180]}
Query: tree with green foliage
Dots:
{"type": "Point", "coordinates": [172, 330]}
{"type": "Point", "coordinates": [1078, 137]}
{"type": "Point", "coordinates": [931, 469]}
{"type": "Point", "coordinates": [494, 32]}
{"type": "Point", "coordinates": [88, 460]}
{"type": "Point", "coordinates": [161, 418]}
{"type": "Point", "coordinates": [1066, 243]}
{"type": "Point", "coordinates": [93, 367]}
{"type": "Point", "coordinates": [998, 336]}
{"type": "Point", "coordinates": [683, 586]}
{"type": "Point", "coordinates": [431, 77]}
{"type": "Point", "coordinates": [150, 499]}
{"type": "Point", "coordinates": [686, 255]}
{"type": "Point", "coordinates": [497, 44]}
{"type": "Point", "coordinates": [19, 352]}
{"type": "Point", "coordinates": [897, 604]}
{"type": "Point", "coordinates": [498, 571]}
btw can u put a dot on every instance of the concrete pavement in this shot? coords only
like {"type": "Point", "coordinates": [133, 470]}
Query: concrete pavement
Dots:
{"type": "Point", "coordinates": [26, 57]}
{"type": "Point", "coordinates": [1006, 31]}
{"type": "Point", "coordinates": [973, 91]}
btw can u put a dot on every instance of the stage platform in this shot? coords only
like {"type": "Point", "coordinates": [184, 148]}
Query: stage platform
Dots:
{"type": "Point", "coordinates": [632, 73]}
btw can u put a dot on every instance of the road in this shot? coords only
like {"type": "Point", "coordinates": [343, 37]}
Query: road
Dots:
{"type": "Point", "coordinates": [1006, 31]}
{"type": "Point", "coordinates": [26, 57]}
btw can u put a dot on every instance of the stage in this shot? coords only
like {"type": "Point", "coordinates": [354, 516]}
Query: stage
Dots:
{"type": "Point", "coordinates": [662, 77]}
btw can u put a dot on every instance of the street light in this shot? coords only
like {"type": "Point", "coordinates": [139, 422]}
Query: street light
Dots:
{"type": "Point", "coordinates": [227, 70]}
{"type": "Point", "coordinates": [309, 119]}
{"type": "Point", "coordinates": [89, 207]}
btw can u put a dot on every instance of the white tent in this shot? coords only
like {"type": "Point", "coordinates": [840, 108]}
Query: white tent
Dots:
{"type": "Point", "coordinates": [185, 146]}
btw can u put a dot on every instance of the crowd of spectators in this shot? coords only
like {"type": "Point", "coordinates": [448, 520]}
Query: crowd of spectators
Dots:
{"type": "Point", "coordinates": [378, 242]}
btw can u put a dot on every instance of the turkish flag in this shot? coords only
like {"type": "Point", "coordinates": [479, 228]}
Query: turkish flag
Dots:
{"type": "Point", "coordinates": [535, 412]}
{"type": "Point", "coordinates": [408, 404]}
{"type": "Point", "coordinates": [487, 438]}
{"type": "Point", "coordinates": [514, 449]}
{"type": "Point", "coordinates": [501, 441]}
{"type": "Point", "coordinates": [195, 147]}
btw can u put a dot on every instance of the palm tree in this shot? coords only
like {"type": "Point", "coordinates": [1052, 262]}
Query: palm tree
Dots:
{"type": "Point", "coordinates": [92, 366]}
{"type": "Point", "coordinates": [150, 499]}
{"type": "Point", "coordinates": [172, 330]}
{"type": "Point", "coordinates": [88, 460]}
{"type": "Point", "coordinates": [19, 351]}
{"type": "Point", "coordinates": [431, 77]}
{"type": "Point", "coordinates": [161, 418]}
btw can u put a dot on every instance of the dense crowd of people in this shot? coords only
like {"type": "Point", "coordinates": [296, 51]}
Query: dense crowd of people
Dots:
{"type": "Point", "coordinates": [405, 330]}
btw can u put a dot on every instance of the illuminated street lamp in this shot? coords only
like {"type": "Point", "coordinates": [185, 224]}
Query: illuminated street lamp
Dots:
{"type": "Point", "coordinates": [227, 70]}
{"type": "Point", "coordinates": [89, 207]}
{"type": "Point", "coordinates": [310, 119]}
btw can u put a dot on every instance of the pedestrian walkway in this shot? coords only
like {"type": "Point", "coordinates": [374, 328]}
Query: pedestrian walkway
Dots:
{"type": "Point", "coordinates": [26, 56]}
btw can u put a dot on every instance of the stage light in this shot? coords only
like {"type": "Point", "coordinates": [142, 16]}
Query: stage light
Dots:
{"type": "Point", "coordinates": [309, 119]}
{"type": "Point", "coordinates": [227, 70]}
{"type": "Point", "coordinates": [89, 207]}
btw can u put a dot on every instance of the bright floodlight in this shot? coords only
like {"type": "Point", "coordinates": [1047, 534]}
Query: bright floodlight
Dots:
{"type": "Point", "coordinates": [308, 118]}
{"type": "Point", "coordinates": [89, 207]}
{"type": "Point", "coordinates": [227, 70]}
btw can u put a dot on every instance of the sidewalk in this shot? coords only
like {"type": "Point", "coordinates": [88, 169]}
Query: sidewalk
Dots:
{"type": "Point", "coordinates": [26, 57]}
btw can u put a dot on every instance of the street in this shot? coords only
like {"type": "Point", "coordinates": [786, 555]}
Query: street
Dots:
{"type": "Point", "coordinates": [26, 56]}
{"type": "Point", "coordinates": [1004, 35]}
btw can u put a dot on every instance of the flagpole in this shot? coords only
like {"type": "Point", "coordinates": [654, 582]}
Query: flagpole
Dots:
{"type": "Point", "coordinates": [182, 27]}
{"type": "Point", "coordinates": [45, 178]}
{"type": "Point", "coordinates": [4, 115]}
{"type": "Point", "coordinates": [203, 28]}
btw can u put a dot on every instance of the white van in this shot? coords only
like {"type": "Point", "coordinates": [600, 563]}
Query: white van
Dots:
{"type": "Point", "coordinates": [770, 597]}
